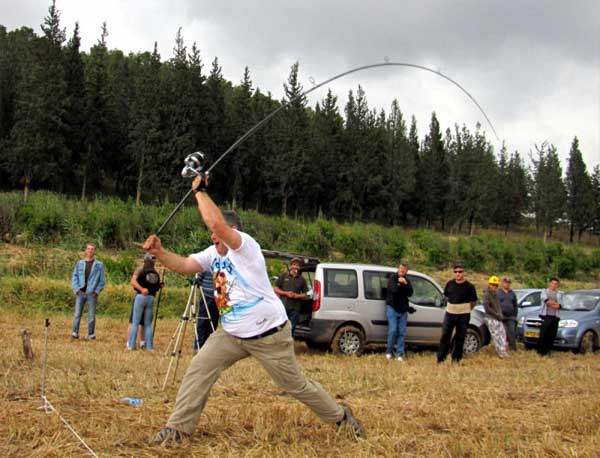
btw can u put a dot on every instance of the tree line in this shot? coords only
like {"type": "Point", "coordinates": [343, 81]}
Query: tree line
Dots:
{"type": "Point", "coordinates": [102, 122]}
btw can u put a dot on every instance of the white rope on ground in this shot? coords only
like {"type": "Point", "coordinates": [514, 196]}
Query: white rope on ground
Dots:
{"type": "Point", "coordinates": [50, 408]}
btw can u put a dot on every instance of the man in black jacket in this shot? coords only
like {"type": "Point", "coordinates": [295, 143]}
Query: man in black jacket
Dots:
{"type": "Point", "coordinates": [398, 291]}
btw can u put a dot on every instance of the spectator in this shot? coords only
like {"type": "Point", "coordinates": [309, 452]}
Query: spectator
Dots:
{"type": "Point", "coordinates": [550, 315]}
{"type": "Point", "coordinates": [493, 316]}
{"type": "Point", "coordinates": [510, 310]}
{"type": "Point", "coordinates": [87, 282]}
{"type": "Point", "coordinates": [146, 282]}
{"type": "Point", "coordinates": [399, 290]}
{"type": "Point", "coordinates": [291, 288]}
{"type": "Point", "coordinates": [461, 297]}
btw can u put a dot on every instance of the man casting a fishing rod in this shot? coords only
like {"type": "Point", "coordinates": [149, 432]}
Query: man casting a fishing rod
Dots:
{"type": "Point", "coordinates": [253, 323]}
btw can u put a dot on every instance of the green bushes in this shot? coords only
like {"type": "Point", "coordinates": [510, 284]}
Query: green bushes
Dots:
{"type": "Point", "coordinates": [52, 220]}
{"type": "Point", "coordinates": [10, 204]}
{"type": "Point", "coordinates": [437, 249]}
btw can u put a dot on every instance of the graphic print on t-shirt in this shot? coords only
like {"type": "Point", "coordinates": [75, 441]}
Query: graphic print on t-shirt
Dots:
{"type": "Point", "coordinates": [226, 280]}
{"type": "Point", "coordinates": [152, 278]}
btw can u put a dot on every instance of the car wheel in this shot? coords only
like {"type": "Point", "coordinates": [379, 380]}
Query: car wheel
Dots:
{"type": "Point", "coordinates": [348, 340]}
{"type": "Point", "coordinates": [588, 343]}
{"type": "Point", "coordinates": [530, 346]}
{"type": "Point", "coordinates": [472, 341]}
{"type": "Point", "coordinates": [317, 345]}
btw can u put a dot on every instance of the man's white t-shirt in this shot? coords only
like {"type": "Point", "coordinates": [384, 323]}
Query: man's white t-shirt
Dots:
{"type": "Point", "coordinates": [247, 304]}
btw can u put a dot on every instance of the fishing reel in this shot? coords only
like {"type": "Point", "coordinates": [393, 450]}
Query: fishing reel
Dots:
{"type": "Point", "coordinates": [194, 163]}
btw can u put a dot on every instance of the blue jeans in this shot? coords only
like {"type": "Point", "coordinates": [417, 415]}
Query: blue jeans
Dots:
{"type": "Point", "coordinates": [396, 330]}
{"type": "Point", "coordinates": [80, 301]}
{"type": "Point", "coordinates": [142, 313]}
{"type": "Point", "coordinates": [293, 316]}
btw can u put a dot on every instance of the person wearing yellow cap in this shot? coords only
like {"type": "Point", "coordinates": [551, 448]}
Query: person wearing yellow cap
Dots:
{"type": "Point", "coordinates": [493, 316]}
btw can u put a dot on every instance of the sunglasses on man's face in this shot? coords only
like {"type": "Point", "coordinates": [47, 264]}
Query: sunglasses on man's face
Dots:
{"type": "Point", "coordinates": [458, 271]}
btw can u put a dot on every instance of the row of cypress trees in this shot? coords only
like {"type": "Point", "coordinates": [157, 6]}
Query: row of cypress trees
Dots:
{"type": "Point", "coordinates": [104, 122]}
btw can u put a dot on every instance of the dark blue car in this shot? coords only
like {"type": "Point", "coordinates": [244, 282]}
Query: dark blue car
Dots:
{"type": "Point", "coordinates": [579, 326]}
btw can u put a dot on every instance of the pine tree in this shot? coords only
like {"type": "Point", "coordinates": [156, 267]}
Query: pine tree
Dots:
{"type": "Point", "coordinates": [16, 63]}
{"type": "Point", "coordinates": [177, 108]}
{"type": "Point", "coordinates": [400, 174]}
{"type": "Point", "coordinates": [515, 191]}
{"type": "Point", "coordinates": [434, 176]}
{"type": "Point", "coordinates": [93, 165]}
{"type": "Point", "coordinates": [38, 134]}
{"type": "Point", "coordinates": [144, 132]}
{"type": "Point", "coordinates": [326, 150]}
{"type": "Point", "coordinates": [549, 193]}
{"type": "Point", "coordinates": [292, 167]}
{"type": "Point", "coordinates": [414, 206]}
{"type": "Point", "coordinates": [216, 117]}
{"type": "Point", "coordinates": [596, 200]}
{"type": "Point", "coordinates": [579, 193]}
{"type": "Point", "coordinates": [75, 113]}
{"type": "Point", "coordinates": [239, 164]}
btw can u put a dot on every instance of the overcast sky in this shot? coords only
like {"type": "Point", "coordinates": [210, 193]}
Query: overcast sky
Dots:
{"type": "Point", "coordinates": [533, 65]}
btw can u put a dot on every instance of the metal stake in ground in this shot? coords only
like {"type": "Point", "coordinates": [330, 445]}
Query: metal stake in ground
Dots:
{"type": "Point", "coordinates": [46, 326]}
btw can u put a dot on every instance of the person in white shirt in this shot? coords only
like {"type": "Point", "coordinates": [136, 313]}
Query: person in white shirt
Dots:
{"type": "Point", "coordinates": [253, 323]}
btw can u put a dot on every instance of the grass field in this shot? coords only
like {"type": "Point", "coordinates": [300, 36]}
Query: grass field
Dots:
{"type": "Point", "coordinates": [485, 407]}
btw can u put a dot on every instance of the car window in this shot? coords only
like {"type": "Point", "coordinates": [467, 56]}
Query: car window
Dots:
{"type": "Point", "coordinates": [425, 292]}
{"type": "Point", "coordinates": [533, 300]}
{"type": "Point", "coordinates": [341, 283]}
{"type": "Point", "coordinates": [582, 302]}
{"type": "Point", "coordinates": [375, 284]}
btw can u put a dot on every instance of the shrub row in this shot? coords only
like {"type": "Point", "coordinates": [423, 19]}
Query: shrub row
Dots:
{"type": "Point", "coordinates": [51, 218]}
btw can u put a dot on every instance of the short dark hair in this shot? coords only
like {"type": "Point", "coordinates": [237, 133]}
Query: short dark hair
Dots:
{"type": "Point", "coordinates": [554, 279]}
{"type": "Point", "coordinates": [402, 263]}
{"type": "Point", "coordinates": [233, 219]}
{"type": "Point", "coordinates": [458, 265]}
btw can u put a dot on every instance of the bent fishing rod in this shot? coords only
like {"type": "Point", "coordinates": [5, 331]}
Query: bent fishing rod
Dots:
{"type": "Point", "coordinates": [194, 163]}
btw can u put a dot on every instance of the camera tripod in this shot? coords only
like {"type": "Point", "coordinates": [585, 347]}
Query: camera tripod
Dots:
{"type": "Point", "coordinates": [190, 313]}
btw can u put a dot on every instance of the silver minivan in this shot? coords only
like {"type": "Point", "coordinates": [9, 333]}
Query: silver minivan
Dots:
{"type": "Point", "coordinates": [348, 310]}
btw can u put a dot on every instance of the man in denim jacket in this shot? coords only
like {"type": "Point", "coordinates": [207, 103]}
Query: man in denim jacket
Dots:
{"type": "Point", "coordinates": [87, 282]}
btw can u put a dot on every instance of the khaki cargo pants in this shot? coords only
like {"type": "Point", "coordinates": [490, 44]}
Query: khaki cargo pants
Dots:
{"type": "Point", "coordinates": [274, 352]}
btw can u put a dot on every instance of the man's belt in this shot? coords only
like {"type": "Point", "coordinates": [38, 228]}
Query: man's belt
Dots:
{"type": "Point", "coordinates": [268, 332]}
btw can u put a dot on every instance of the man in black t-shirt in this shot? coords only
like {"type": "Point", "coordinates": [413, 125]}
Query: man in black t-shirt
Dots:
{"type": "Point", "coordinates": [291, 288]}
{"type": "Point", "coordinates": [461, 297]}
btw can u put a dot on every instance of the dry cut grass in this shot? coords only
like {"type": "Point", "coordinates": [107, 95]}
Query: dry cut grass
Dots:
{"type": "Point", "coordinates": [486, 407]}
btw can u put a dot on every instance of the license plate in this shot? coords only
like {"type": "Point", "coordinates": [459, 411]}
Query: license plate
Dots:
{"type": "Point", "coordinates": [532, 334]}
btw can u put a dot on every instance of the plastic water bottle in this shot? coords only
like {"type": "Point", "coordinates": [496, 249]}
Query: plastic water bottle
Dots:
{"type": "Point", "coordinates": [133, 401]}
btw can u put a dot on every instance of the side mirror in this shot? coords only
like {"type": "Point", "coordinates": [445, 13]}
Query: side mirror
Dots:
{"type": "Point", "coordinates": [526, 304]}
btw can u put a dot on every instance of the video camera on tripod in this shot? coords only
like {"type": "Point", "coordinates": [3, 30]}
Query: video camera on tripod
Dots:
{"type": "Point", "coordinates": [196, 280]}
